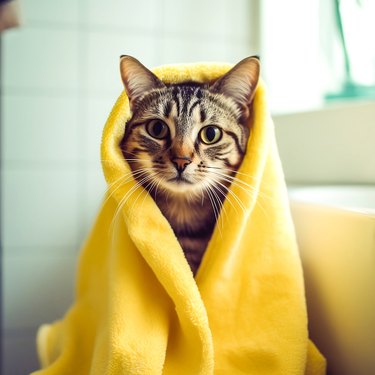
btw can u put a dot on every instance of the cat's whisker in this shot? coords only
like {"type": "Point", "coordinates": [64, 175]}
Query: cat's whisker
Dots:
{"type": "Point", "coordinates": [215, 208]}
{"type": "Point", "coordinates": [246, 184]}
{"type": "Point", "coordinates": [157, 188]}
{"type": "Point", "coordinates": [120, 181]}
{"type": "Point", "coordinates": [117, 211]}
{"type": "Point", "coordinates": [124, 151]}
{"type": "Point", "coordinates": [142, 170]}
{"type": "Point", "coordinates": [226, 178]}
{"type": "Point", "coordinates": [220, 204]}
{"type": "Point", "coordinates": [150, 186]}
{"type": "Point", "coordinates": [110, 191]}
{"type": "Point", "coordinates": [207, 189]}
{"type": "Point", "coordinates": [252, 191]}
{"type": "Point", "coordinates": [116, 181]}
{"type": "Point", "coordinates": [221, 212]}
{"type": "Point", "coordinates": [261, 195]}
{"type": "Point", "coordinates": [120, 206]}
{"type": "Point", "coordinates": [233, 178]}
{"type": "Point", "coordinates": [126, 175]}
{"type": "Point", "coordinates": [237, 182]}
{"type": "Point", "coordinates": [124, 200]}
{"type": "Point", "coordinates": [145, 190]}
{"type": "Point", "coordinates": [127, 196]}
{"type": "Point", "coordinates": [137, 160]}
{"type": "Point", "coordinates": [212, 204]}
{"type": "Point", "coordinates": [242, 174]}
{"type": "Point", "coordinates": [261, 207]}
{"type": "Point", "coordinates": [127, 159]}
{"type": "Point", "coordinates": [228, 196]}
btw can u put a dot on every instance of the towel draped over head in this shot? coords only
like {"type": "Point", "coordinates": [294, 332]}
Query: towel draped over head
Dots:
{"type": "Point", "coordinates": [139, 310]}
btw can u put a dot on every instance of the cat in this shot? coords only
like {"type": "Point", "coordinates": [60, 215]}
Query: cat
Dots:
{"type": "Point", "coordinates": [184, 143]}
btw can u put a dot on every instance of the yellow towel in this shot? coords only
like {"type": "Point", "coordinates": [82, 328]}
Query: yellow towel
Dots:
{"type": "Point", "coordinates": [139, 310]}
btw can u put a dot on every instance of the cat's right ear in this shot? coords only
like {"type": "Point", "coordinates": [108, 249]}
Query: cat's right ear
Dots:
{"type": "Point", "coordinates": [137, 78]}
{"type": "Point", "coordinates": [240, 82]}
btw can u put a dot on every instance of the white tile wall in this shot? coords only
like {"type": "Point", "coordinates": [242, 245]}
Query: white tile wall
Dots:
{"type": "Point", "coordinates": [40, 207]}
{"type": "Point", "coordinates": [178, 49]}
{"type": "Point", "coordinates": [38, 118]}
{"type": "Point", "coordinates": [60, 78]}
{"type": "Point", "coordinates": [241, 16]}
{"type": "Point", "coordinates": [104, 51]}
{"type": "Point", "coordinates": [334, 145]}
{"type": "Point", "coordinates": [98, 109]}
{"type": "Point", "coordinates": [140, 15]}
{"type": "Point", "coordinates": [240, 48]}
{"type": "Point", "coordinates": [195, 17]}
{"type": "Point", "coordinates": [30, 301]}
{"type": "Point", "coordinates": [94, 194]}
{"type": "Point", "coordinates": [35, 59]}
{"type": "Point", "coordinates": [19, 354]}
{"type": "Point", "coordinates": [47, 11]}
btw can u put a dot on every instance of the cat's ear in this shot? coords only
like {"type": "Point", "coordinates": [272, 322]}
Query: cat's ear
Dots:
{"type": "Point", "coordinates": [240, 82]}
{"type": "Point", "coordinates": [137, 78]}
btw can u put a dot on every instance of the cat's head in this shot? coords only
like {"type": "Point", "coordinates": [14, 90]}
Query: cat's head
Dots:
{"type": "Point", "coordinates": [190, 136]}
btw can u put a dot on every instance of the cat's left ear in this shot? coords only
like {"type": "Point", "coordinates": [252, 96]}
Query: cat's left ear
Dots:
{"type": "Point", "coordinates": [240, 82]}
{"type": "Point", "coordinates": [137, 79]}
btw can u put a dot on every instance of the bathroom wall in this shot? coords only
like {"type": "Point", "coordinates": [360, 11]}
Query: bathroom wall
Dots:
{"type": "Point", "coordinates": [332, 145]}
{"type": "Point", "coordinates": [59, 80]}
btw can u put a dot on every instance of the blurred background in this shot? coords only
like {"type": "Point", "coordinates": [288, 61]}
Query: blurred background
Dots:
{"type": "Point", "coordinates": [60, 78]}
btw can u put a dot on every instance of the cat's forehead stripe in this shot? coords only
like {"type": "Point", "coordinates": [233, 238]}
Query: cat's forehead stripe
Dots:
{"type": "Point", "coordinates": [167, 108]}
{"type": "Point", "coordinates": [202, 114]}
{"type": "Point", "coordinates": [186, 97]}
{"type": "Point", "coordinates": [192, 106]}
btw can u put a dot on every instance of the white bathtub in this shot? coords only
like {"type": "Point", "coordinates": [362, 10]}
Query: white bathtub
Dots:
{"type": "Point", "coordinates": [335, 227]}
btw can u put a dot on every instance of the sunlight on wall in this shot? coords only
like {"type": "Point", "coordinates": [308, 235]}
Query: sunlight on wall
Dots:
{"type": "Point", "coordinates": [303, 53]}
{"type": "Point", "coordinates": [359, 32]}
{"type": "Point", "coordinates": [290, 54]}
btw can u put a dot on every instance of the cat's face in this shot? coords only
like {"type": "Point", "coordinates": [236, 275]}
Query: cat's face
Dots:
{"type": "Point", "coordinates": [186, 138]}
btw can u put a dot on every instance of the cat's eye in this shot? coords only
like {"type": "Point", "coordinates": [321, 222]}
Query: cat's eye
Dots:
{"type": "Point", "coordinates": [210, 134]}
{"type": "Point", "coordinates": [157, 129]}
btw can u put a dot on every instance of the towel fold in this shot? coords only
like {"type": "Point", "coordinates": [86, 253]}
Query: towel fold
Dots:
{"type": "Point", "coordinates": [139, 310]}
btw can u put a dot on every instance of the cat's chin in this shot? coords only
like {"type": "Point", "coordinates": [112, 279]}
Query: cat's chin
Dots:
{"type": "Point", "coordinates": [181, 180]}
{"type": "Point", "coordinates": [181, 186]}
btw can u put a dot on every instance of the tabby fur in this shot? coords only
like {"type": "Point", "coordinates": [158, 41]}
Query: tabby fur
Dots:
{"type": "Point", "coordinates": [167, 143]}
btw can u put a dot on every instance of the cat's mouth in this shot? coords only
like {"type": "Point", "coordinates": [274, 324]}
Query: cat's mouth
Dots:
{"type": "Point", "coordinates": [180, 180]}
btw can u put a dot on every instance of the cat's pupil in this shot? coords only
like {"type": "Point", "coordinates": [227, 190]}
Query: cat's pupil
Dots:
{"type": "Point", "coordinates": [158, 128]}
{"type": "Point", "coordinates": [210, 134]}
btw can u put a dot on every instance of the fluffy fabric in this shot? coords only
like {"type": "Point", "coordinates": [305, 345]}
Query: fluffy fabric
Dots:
{"type": "Point", "coordinates": [138, 308]}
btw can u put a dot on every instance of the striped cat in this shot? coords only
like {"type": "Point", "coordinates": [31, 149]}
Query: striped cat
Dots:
{"type": "Point", "coordinates": [185, 142]}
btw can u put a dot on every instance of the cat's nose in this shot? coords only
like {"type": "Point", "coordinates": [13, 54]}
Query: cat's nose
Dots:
{"type": "Point", "coordinates": [181, 163]}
